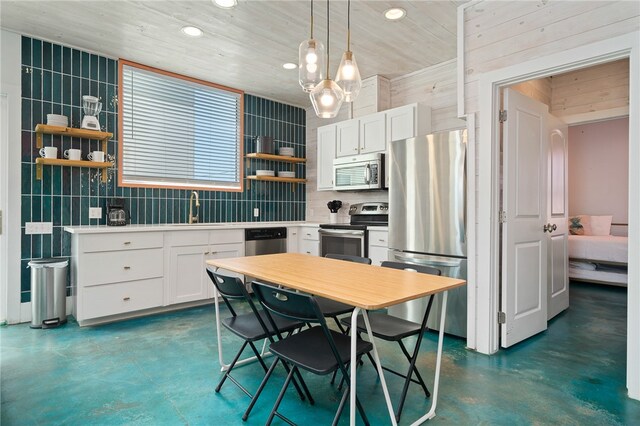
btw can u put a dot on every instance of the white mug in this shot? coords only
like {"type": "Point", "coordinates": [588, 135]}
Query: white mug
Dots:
{"type": "Point", "coordinates": [72, 154]}
{"type": "Point", "coordinates": [49, 152]}
{"type": "Point", "coordinates": [97, 156]}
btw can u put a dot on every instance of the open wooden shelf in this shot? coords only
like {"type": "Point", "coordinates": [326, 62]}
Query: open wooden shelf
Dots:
{"type": "Point", "coordinates": [73, 163]}
{"type": "Point", "coordinates": [278, 179]}
{"type": "Point", "coordinates": [276, 158]}
{"type": "Point", "coordinates": [44, 129]}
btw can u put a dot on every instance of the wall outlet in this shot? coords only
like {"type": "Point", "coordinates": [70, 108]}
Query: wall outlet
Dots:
{"type": "Point", "coordinates": [31, 228]}
{"type": "Point", "coordinates": [95, 212]}
{"type": "Point", "coordinates": [256, 212]}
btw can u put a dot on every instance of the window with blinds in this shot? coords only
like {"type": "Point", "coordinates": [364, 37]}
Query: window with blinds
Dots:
{"type": "Point", "coordinates": [178, 132]}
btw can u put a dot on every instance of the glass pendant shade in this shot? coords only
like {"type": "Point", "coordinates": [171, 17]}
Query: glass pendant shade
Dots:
{"type": "Point", "coordinates": [327, 98]}
{"type": "Point", "coordinates": [310, 64]}
{"type": "Point", "coordinates": [348, 76]}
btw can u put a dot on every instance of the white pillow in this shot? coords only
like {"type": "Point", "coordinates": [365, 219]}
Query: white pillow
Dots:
{"type": "Point", "coordinates": [600, 225]}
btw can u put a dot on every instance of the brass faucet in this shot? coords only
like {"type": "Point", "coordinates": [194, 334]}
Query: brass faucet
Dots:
{"type": "Point", "coordinates": [192, 218]}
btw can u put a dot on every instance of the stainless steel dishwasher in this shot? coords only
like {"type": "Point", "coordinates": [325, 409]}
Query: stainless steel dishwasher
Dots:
{"type": "Point", "coordinates": [264, 241]}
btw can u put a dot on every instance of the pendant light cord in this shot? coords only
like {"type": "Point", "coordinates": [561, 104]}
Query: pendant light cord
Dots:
{"type": "Point", "coordinates": [328, 77]}
{"type": "Point", "coordinates": [348, 25]}
{"type": "Point", "coordinates": [312, 19]}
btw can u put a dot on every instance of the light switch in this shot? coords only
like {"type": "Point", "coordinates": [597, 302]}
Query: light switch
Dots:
{"type": "Point", "coordinates": [256, 212]}
{"type": "Point", "coordinates": [95, 212]}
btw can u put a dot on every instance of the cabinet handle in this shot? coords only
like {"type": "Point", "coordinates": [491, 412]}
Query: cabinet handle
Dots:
{"type": "Point", "coordinates": [126, 243]}
{"type": "Point", "coordinates": [126, 268]}
{"type": "Point", "coordinates": [126, 299]}
{"type": "Point", "coordinates": [206, 252]}
{"type": "Point", "coordinates": [214, 252]}
{"type": "Point", "coordinates": [308, 235]}
{"type": "Point", "coordinates": [308, 252]}
{"type": "Point", "coordinates": [381, 240]}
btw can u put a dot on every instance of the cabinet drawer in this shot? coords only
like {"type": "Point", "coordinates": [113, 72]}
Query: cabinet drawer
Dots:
{"type": "Point", "coordinates": [112, 299]}
{"type": "Point", "coordinates": [187, 238]}
{"type": "Point", "coordinates": [378, 254]}
{"type": "Point", "coordinates": [121, 241]}
{"type": "Point", "coordinates": [110, 267]}
{"type": "Point", "coordinates": [309, 233]}
{"type": "Point", "coordinates": [379, 238]}
{"type": "Point", "coordinates": [226, 236]}
{"type": "Point", "coordinates": [310, 247]}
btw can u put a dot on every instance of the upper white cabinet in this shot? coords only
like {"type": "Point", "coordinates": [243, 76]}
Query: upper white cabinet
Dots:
{"type": "Point", "coordinates": [408, 121]}
{"type": "Point", "coordinates": [373, 134]}
{"type": "Point", "coordinates": [326, 154]}
{"type": "Point", "coordinates": [348, 137]}
{"type": "Point", "coordinates": [366, 135]}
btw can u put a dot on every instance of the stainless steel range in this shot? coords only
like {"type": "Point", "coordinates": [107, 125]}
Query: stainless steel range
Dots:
{"type": "Point", "coordinates": [353, 238]}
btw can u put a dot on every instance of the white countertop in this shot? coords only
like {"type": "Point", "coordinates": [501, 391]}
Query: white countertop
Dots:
{"type": "Point", "coordinates": [103, 229]}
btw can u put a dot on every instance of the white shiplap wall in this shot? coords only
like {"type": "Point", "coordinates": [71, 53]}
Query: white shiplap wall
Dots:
{"type": "Point", "coordinates": [435, 86]}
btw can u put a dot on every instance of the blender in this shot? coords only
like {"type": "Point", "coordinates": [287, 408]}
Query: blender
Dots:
{"type": "Point", "coordinates": [91, 107]}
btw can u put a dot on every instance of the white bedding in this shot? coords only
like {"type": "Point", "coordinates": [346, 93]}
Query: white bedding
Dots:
{"type": "Point", "coordinates": [596, 248]}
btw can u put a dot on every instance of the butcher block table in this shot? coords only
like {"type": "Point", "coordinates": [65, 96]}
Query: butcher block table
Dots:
{"type": "Point", "coordinates": [365, 287]}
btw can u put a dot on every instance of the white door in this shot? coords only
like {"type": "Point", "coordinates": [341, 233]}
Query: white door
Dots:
{"type": "Point", "coordinates": [557, 205]}
{"type": "Point", "coordinates": [524, 242]}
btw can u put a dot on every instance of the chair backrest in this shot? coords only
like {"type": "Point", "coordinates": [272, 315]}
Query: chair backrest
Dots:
{"type": "Point", "coordinates": [288, 303]}
{"type": "Point", "coordinates": [410, 266]}
{"type": "Point", "coordinates": [349, 258]}
{"type": "Point", "coordinates": [232, 288]}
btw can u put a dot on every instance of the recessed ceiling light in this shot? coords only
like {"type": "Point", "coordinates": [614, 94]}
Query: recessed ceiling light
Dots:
{"type": "Point", "coordinates": [192, 31]}
{"type": "Point", "coordinates": [289, 66]}
{"type": "Point", "coordinates": [226, 4]}
{"type": "Point", "coordinates": [395, 13]}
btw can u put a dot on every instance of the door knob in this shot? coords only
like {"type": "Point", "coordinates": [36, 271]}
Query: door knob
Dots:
{"type": "Point", "coordinates": [549, 227]}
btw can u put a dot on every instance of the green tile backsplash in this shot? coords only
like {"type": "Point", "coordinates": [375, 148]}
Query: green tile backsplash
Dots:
{"type": "Point", "coordinates": [54, 78]}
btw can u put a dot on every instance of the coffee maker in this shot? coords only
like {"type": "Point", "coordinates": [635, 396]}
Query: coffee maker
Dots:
{"type": "Point", "coordinates": [117, 214]}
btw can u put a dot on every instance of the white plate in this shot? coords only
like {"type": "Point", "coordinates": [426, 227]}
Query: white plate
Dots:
{"type": "Point", "coordinates": [286, 151]}
{"type": "Point", "coordinates": [265, 173]}
{"type": "Point", "coordinates": [286, 174]}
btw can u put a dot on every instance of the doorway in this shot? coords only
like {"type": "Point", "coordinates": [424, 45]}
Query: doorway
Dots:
{"type": "Point", "coordinates": [487, 279]}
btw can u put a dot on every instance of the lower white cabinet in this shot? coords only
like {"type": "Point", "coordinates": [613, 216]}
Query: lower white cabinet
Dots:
{"type": "Point", "coordinates": [309, 242]}
{"type": "Point", "coordinates": [118, 275]}
{"type": "Point", "coordinates": [378, 246]}
{"type": "Point", "coordinates": [292, 239]}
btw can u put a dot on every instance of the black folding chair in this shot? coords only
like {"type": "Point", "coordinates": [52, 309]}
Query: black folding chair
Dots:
{"type": "Point", "coordinates": [317, 349]}
{"type": "Point", "coordinates": [331, 308]}
{"type": "Point", "coordinates": [394, 329]}
{"type": "Point", "coordinates": [250, 327]}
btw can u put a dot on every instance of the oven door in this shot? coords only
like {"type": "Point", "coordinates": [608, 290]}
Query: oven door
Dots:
{"type": "Point", "coordinates": [343, 241]}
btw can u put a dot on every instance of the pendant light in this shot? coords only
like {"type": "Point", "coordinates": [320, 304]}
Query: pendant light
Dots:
{"type": "Point", "coordinates": [310, 61]}
{"type": "Point", "coordinates": [327, 96]}
{"type": "Point", "coordinates": [348, 75]}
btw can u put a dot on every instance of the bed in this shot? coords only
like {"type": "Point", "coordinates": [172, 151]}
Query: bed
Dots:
{"type": "Point", "coordinates": [600, 259]}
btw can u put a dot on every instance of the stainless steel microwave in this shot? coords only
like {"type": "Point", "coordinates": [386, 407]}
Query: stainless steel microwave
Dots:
{"type": "Point", "coordinates": [359, 172]}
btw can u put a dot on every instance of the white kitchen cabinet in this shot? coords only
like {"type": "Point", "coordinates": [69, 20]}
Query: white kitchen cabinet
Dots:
{"type": "Point", "coordinates": [117, 274]}
{"type": "Point", "coordinates": [347, 138]}
{"type": "Point", "coordinates": [373, 133]}
{"type": "Point", "coordinates": [309, 242]}
{"type": "Point", "coordinates": [326, 149]}
{"type": "Point", "coordinates": [187, 253]}
{"type": "Point", "coordinates": [378, 246]}
{"type": "Point", "coordinates": [292, 239]}
{"type": "Point", "coordinates": [408, 121]}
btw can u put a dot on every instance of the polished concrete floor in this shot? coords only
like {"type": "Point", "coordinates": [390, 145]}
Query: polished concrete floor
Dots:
{"type": "Point", "coordinates": [163, 369]}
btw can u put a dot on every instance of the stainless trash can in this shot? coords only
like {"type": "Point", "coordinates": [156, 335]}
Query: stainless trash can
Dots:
{"type": "Point", "coordinates": [48, 292]}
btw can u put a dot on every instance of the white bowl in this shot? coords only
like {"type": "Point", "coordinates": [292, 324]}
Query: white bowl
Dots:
{"type": "Point", "coordinates": [286, 151]}
{"type": "Point", "coordinates": [286, 174]}
{"type": "Point", "coordinates": [57, 120]}
{"type": "Point", "coordinates": [265, 173]}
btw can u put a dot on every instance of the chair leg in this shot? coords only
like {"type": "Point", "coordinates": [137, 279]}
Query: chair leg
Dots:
{"type": "Point", "coordinates": [258, 356]}
{"type": "Point", "coordinates": [245, 416]}
{"type": "Point", "coordinates": [233, 363]}
{"type": "Point", "coordinates": [342, 330]}
{"type": "Point", "coordinates": [281, 395]}
{"type": "Point", "coordinates": [410, 372]}
{"type": "Point", "coordinates": [343, 400]}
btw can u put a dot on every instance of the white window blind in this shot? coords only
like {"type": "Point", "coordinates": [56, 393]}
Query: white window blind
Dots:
{"type": "Point", "coordinates": [179, 133]}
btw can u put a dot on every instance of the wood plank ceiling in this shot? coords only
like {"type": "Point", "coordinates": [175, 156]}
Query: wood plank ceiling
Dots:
{"type": "Point", "coordinates": [244, 47]}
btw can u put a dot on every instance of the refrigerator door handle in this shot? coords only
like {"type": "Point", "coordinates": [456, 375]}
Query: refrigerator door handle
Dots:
{"type": "Point", "coordinates": [436, 263]}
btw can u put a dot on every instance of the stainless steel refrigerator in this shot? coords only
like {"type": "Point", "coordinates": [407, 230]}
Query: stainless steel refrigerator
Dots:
{"type": "Point", "coordinates": [427, 218]}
